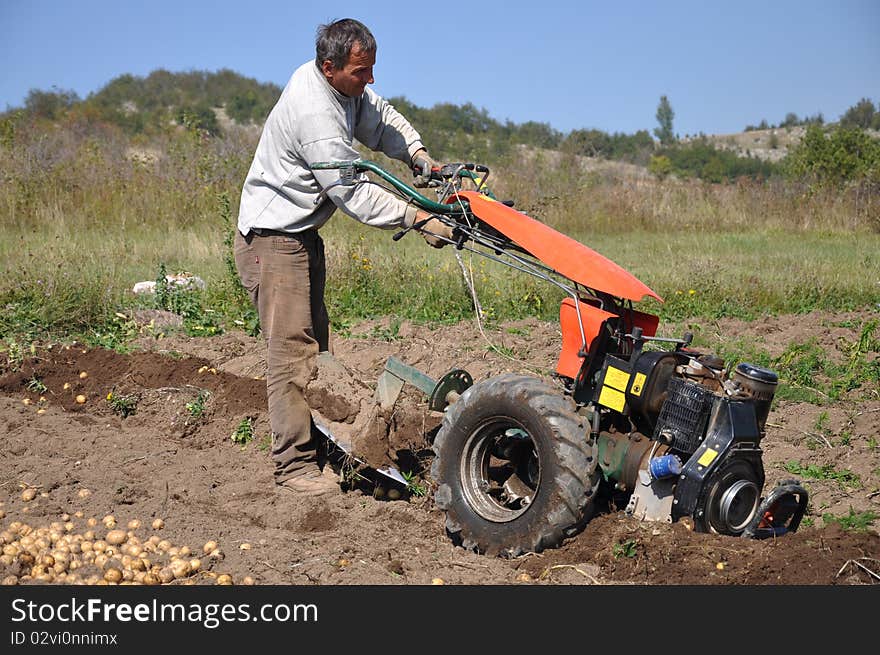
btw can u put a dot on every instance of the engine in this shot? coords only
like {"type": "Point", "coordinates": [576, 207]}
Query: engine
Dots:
{"type": "Point", "coordinates": [683, 436]}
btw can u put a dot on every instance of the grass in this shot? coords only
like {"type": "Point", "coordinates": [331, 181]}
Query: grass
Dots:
{"type": "Point", "coordinates": [806, 373]}
{"type": "Point", "coordinates": [83, 223]}
{"type": "Point", "coordinates": [845, 478]}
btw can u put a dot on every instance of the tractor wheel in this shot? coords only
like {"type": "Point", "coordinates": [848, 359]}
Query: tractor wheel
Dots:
{"type": "Point", "coordinates": [515, 467]}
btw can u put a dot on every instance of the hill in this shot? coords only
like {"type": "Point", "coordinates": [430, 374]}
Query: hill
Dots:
{"type": "Point", "coordinates": [221, 102]}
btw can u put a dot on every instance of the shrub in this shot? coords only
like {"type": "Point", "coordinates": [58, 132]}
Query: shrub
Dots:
{"type": "Point", "coordinates": [844, 154]}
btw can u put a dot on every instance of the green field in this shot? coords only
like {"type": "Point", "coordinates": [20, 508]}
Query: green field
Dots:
{"type": "Point", "coordinates": [84, 220]}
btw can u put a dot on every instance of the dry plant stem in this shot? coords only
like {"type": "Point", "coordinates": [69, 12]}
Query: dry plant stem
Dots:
{"type": "Point", "coordinates": [856, 562]}
{"type": "Point", "coordinates": [546, 572]}
{"type": "Point", "coordinates": [817, 436]}
{"type": "Point", "coordinates": [148, 455]}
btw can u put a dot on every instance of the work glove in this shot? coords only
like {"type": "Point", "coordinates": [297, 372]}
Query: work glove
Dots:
{"type": "Point", "coordinates": [433, 229]}
{"type": "Point", "coordinates": [422, 165]}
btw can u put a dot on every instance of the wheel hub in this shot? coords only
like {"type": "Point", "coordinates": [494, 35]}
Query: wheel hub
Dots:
{"type": "Point", "coordinates": [500, 472]}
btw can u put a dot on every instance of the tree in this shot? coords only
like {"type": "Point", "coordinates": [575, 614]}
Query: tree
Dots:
{"type": "Point", "coordinates": [664, 119]}
{"type": "Point", "coordinates": [859, 115]}
{"type": "Point", "coordinates": [50, 104]}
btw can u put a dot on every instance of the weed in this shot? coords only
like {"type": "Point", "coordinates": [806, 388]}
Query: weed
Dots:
{"type": "Point", "coordinates": [265, 443]}
{"type": "Point", "coordinates": [625, 548]}
{"type": "Point", "coordinates": [502, 350]}
{"type": "Point", "coordinates": [14, 354]}
{"type": "Point", "coordinates": [822, 423]}
{"type": "Point", "coordinates": [115, 334]}
{"type": "Point", "coordinates": [122, 404]}
{"type": "Point", "coordinates": [826, 472]}
{"type": "Point", "coordinates": [187, 302]}
{"type": "Point", "coordinates": [872, 443]}
{"type": "Point", "coordinates": [413, 486]}
{"type": "Point", "coordinates": [36, 385]}
{"type": "Point", "coordinates": [244, 431]}
{"type": "Point", "coordinates": [855, 521]}
{"type": "Point", "coordinates": [196, 408]}
{"type": "Point", "coordinates": [800, 362]}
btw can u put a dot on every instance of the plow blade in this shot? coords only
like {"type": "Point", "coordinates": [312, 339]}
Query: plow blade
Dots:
{"type": "Point", "coordinates": [345, 446]}
{"type": "Point", "coordinates": [441, 393]}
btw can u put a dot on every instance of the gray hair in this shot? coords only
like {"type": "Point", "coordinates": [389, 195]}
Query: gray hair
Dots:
{"type": "Point", "coordinates": [335, 40]}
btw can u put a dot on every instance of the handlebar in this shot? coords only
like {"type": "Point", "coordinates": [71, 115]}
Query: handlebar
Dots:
{"type": "Point", "coordinates": [362, 165]}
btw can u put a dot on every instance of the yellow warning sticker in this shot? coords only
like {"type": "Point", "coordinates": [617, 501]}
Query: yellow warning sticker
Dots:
{"type": "Point", "coordinates": [708, 457]}
{"type": "Point", "coordinates": [616, 378]}
{"type": "Point", "coordinates": [612, 398]}
{"type": "Point", "coordinates": [638, 383]}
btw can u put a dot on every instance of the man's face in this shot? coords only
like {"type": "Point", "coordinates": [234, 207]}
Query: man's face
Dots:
{"type": "Point", "coordinates": [351, 79]}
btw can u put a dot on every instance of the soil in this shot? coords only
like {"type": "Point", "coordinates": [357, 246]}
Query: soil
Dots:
{"type": "Point", "coordinates": [158, 457]}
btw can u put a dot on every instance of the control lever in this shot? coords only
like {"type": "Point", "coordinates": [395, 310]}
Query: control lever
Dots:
{"type": "Point", "coordinates": [416, 226]}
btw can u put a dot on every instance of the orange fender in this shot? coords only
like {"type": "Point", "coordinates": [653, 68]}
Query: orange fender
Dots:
{"type": "Point", "coordinates": [592, 318]}
{"type": "Point", "coordinates": [568, 257]}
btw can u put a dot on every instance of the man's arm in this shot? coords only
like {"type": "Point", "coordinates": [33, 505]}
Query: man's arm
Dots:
{"type": "Point", "coordinates": [381, 127]}
{"type": "Point", "coordinates": [366, 203]}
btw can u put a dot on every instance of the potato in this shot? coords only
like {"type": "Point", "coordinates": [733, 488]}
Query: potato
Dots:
{"type": "Point", "coordinates": [113, 574]}
{"type": "Point", "coordinates": [80, 399]}
{"type": "Point", "coordinates": [180, 568]}
{"type": "Point", "coordinates": [158, 524]}
{"type": "Point", "coordinates": [209, 547]}
{"type": "Point", "coordinates": [224, 579]}
{"type": "Point", "coordinates": [28, 494]}
{"type": "Point", "coordinates": [247, 580]}
{"type": "Point", "coordinates": [116, 537]}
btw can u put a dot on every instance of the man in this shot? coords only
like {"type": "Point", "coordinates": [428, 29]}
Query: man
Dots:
{"type": "Point", "coordinates": [325, 106]}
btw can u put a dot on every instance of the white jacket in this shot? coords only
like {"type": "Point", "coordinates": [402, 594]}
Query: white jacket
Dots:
{"type": "Point", "coordinates": [313, 122]}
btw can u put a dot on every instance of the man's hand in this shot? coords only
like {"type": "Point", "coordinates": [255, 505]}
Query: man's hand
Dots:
{"type": "Point", "coordinates": [422, 165]}
{"type": "Point", "coordinates": [433, 229]}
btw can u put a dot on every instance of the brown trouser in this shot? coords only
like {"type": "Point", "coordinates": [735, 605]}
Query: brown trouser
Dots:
{"type": "Point", "coordinates": [285, 274]}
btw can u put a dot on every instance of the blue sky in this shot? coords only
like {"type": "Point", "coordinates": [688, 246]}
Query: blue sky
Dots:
{"type": "Point", "coordinates": [572, 64]}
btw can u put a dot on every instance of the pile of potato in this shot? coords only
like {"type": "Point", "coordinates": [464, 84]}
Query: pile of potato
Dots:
{"type": "Point", "coordinates": [103, 554]}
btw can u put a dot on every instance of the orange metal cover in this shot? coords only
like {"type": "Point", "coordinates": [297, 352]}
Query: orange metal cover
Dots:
{"type": "Point", "coordinates": [563, 254]}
